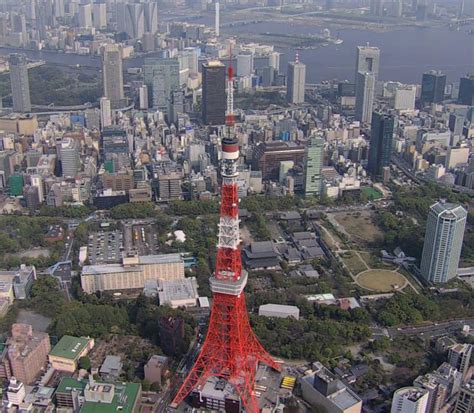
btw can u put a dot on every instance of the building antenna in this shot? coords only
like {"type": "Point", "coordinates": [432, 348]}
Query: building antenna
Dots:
{"type": "Point", "coordinates": [297, 57]}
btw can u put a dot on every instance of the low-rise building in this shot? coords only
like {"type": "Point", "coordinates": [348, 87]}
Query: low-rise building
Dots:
{"type": "Point", "coordinates": [111, 368]}
{"type": "Point", "coordinates": [178, 293]}
{"type": "Point", "coordinates": [260, 255]}
{"type": "Point", "coordinates": [155, 368]}
{"type": "Point", "coordinates": [322, 388]}
{"type": "Point", "coordinates": [280, 311]}
{"type": "Point", "coordinates": [66, 354]}
{"type": "Point", "coordinates": [132, 273]}
{"type": "Point", "coordinates": [96, 397]}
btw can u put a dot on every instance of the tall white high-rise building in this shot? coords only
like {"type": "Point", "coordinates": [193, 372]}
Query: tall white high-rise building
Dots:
{"type": "Point", "coordinates": [105, 113]}
{"type": "Point", "coordinates": [99, 15]}
{"type": "Point", "coordinates": [85, 16]}
{"type": "Point", "coordinates": [131, 19]}
{"type": "Point", "coordinates": [150, 11]}
{"type": "Point", "coordinates": [410, 400]}
{"type": "Point", "coordinates": [58, 8]}
{"type": "Point", "coordinates": [443, 242]}
{"type": "Point", "coordinates": [367, 60]}
{"type": "Point", "coordinates": [365, 92]}
{"type": "Point", "coordinates": [217, 21]}
{"type": "Point", "coordinates": [143, 96]}
{"type": "Point", "coordinates": [113, 75]}
{"type": "Point", "coordinates": [70, 160]}
{"type": "Point", "coordinates": [296, 81]}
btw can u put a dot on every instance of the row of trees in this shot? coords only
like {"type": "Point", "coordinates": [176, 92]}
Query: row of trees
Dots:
{"type": "Point", "coordinates": [411, 308]}
{"type": "Point", "coordinates": [309, 339]}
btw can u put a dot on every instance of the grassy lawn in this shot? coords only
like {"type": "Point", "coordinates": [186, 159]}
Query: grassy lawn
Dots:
{"type": "Point", "coordinates": [353, 262]}
{"type": "Point", "coordinates": [371, 193]}
{"type": "Point", "coordinates": [360, 226]}
{"type": "Point", "coordinates": [381, 280]}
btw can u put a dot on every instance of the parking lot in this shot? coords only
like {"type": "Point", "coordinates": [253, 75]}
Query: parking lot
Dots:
{"type": "Point", "coordinates": [144, 239]}
{"type": "Point", "coordinates": [105, 247]}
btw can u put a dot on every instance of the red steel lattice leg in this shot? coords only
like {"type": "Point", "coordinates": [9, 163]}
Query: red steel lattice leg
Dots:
{"type": "Point", "coordinates": [231, 351]}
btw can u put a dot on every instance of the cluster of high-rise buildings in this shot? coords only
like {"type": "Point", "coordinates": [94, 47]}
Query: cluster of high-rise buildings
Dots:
{"type": "Point", "coordinates": [448, 388]}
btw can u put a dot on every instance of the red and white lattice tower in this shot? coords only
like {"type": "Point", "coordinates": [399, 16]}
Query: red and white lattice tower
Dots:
{"type": "Point", "coordinates": [231, 350]}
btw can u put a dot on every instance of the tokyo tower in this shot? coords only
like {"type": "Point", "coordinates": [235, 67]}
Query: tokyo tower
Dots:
{"type": "Point", "coordinates": [231, 350]}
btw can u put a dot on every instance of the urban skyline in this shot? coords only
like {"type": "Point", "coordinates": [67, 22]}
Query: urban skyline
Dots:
{"type": "Point", "coordinates": [236, 205]}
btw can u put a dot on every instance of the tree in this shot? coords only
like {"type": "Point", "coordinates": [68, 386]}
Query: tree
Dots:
{"type": "Point", "coordinates": [85, 363]}
{"type": "Point", "coordinates": [146, 385]}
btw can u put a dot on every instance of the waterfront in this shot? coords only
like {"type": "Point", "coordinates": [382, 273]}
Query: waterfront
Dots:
{"type": "Point", "coordinates": [405, 53]}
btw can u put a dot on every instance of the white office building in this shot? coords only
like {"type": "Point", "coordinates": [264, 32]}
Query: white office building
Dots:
{"type": "Point", "coordinates": [405, 96]}
{"type": "Point", "coordinates": [85, 16]}
{"type": "Point", "coordinates": [99, 15]}
{"type": "Point", "coordinates": [105, 112]}
{"type": "Point", "coordinates": [70, 160]}
{"type": "Point", "coordinates": [296, 81]}
{"type": "Point", "coordinates": [365, 92]}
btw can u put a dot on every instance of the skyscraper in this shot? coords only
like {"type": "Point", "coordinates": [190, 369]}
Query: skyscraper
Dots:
{"type": "Point", "coordinates": [213, 93]}
{"type": "Point", "coordinates": [465, 401]}
{"type": "Point", "coordinates": [20, 83]}
{"type": "Point", "coordinates": [99, 15]}
{"type": "Point", "coordinates": [131, 19]}
{"type": "Point", "coordinates": [459, 356]}
{"type": "Point", "coordinates": [381, 137]}
{"type": "Point", "coordinates": [150, 11]}
{"type": "Point", "coordinates": [367, 60]}
{"type": "Point", "coordinates": [365, 92]}
{"type": "Point", "coordinates": [217, 19]}
{"type": "Point", "coordinates": [113, 75]}
{"type": "Point", "coordinates": [312, 167]}
{"type": "Point", "coordinates": [70, 161]}
{"type": "Point", "coordinates": [105, 113]}
{"type": "Point", "coordinates": [433, 84]}
{"type": "Point", "coordinates": [466, 90]}
{"type": "Point", "coordinates": [296, 81]}
{"type": "Point", "coordinates": [85, 16]}
{"type": "Point", "coordinates": [410, 400]}
{"type": "Point", "coordinates": [161, 78]}
{"type": "Point", "coordinates": [443, 242]}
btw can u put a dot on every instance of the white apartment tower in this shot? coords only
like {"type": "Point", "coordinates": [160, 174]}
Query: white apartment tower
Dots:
{"type": "Point", "coordinates": [410, 400]}
{"type": "Point", "coordinates": [443, 242]}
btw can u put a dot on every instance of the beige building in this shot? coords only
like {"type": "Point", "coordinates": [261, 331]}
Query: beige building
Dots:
{"type": "Point", "coordinates": [20, 124]}
{"type": "Point", "coordinates": [132, 272]}
{"type": "Point", "coordinates": [66, 354]}
{"type": "Point", "coordinates": [27, 352]}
